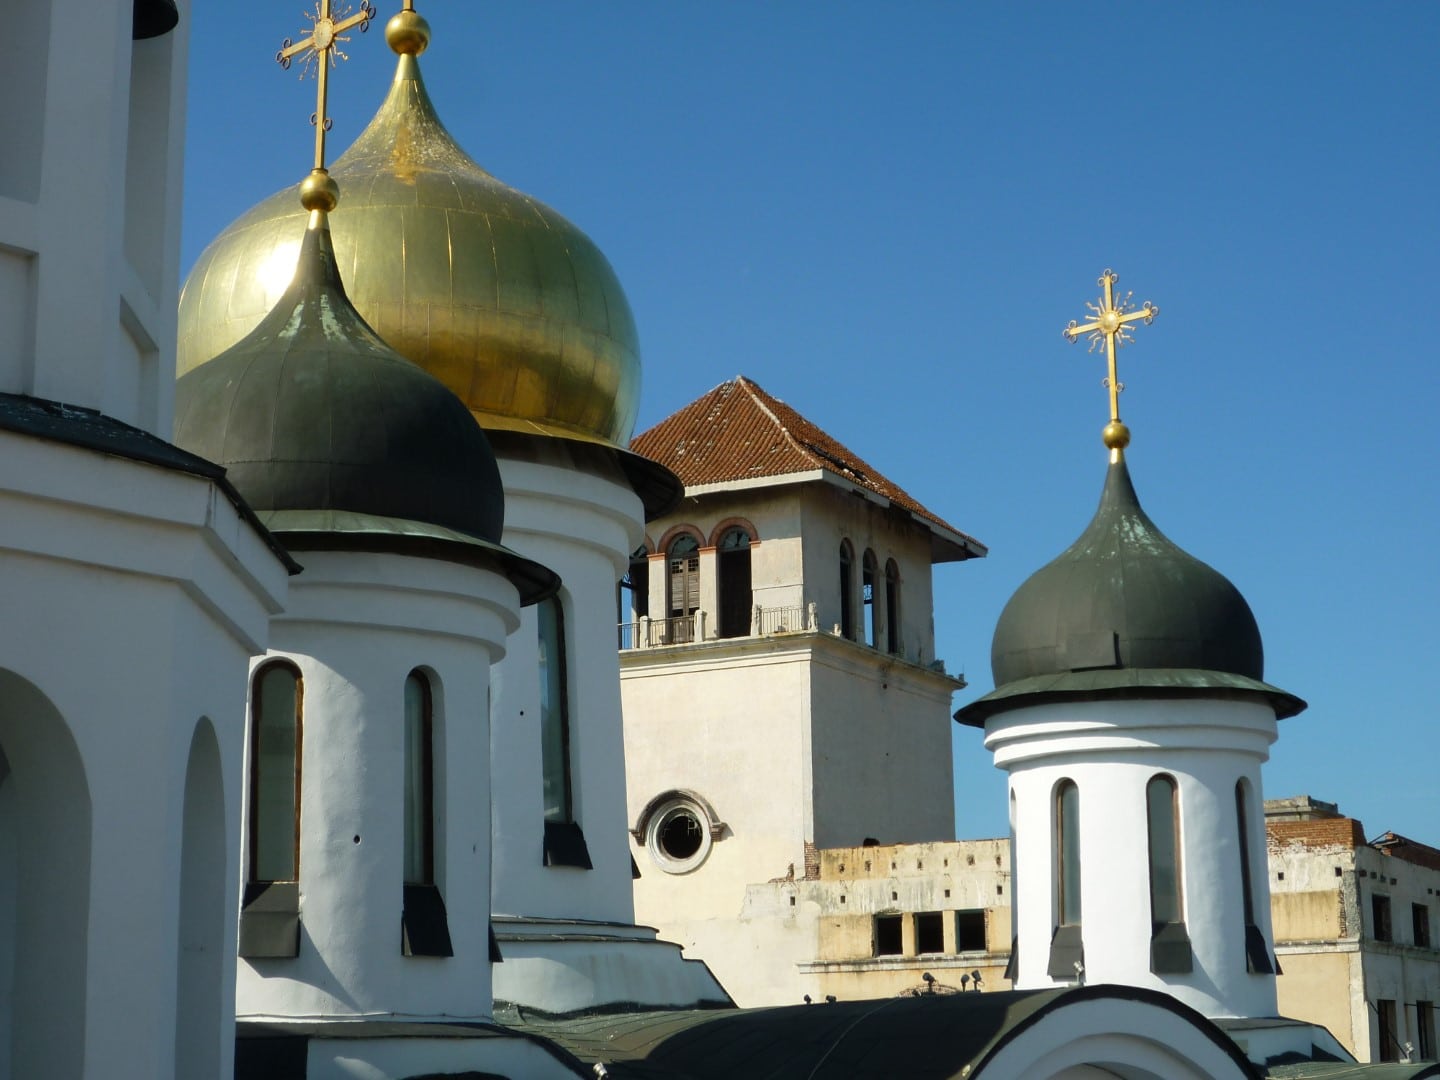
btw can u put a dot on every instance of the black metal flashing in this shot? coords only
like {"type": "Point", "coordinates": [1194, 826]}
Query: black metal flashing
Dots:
{"type": "Point", "coordinates": [1067, 954]}
{"type": "Point", "coordinates": [634, 869]}
{"type": "Point", "coordinates": [1012, 966]}
{"type": "Point", "coordinates": [495, 957]}
{"type": "Point", "coordinates": [313, 411]}
{"type": "Point", "coordinates": [90, 429]}
{"type": "Point", "coordinates": [424, 928]}
{"type": "Point", "coordinates": [153, 18]}
{"type": "Point", "coordinates": [1170, 951]}
{"type": "Point", "coordinates": [270, 920]}
{"type": "Point", "coordinates": [1113, 684]}
{"type": "Point", "coordinates": [565, 846]}
{"type": "Point", "coordinates": [1257, 952]}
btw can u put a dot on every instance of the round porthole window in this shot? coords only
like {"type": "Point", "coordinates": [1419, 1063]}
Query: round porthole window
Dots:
{"type": "Point", "coordinates": [678, 836]}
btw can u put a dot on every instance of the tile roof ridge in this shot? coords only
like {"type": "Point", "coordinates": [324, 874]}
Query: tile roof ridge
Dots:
{"type": "Point", "coordinates": [757, 395]}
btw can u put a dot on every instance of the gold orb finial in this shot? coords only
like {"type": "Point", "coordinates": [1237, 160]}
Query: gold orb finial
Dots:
{"type": "Point", "coordinates": [318, 191]}
{"type": "Point", "coordinates": [408, 33]}
{"type": "Point", "coordinates": [1116, 435]}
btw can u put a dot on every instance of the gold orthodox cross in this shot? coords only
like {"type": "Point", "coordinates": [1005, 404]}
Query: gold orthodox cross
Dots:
{"type": "Point", "coordinates": [322, 45]}
{"type": "Point", "coordinates": [1110, 323]}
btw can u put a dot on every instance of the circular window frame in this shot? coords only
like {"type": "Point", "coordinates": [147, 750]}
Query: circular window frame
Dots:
{"type": "Point", "coordinates": [661, 816]}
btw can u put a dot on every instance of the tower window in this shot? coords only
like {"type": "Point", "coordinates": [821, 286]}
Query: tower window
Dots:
{"type": "Point", "coordinates": [1257, 952]}
{"type": "Point", "coordinates": [892, 607]}
{"type": "Point", "coordinates": [929, 932]}
{"type": "Point", "coordinates": [677, 832]}
{"type": "Point", "coordinates": [847, 590]}
{"type": "Point", "coordinates": [275, 739]}
{"type": "Point", "coordinates": [634, 598]}
{"type": "Point", "coordinates": [683, 585]}
{"type": "Point", "coordinates": [872, 609]}
{"type": "Point", "coordinates": [554, 712]}
{"type": "Point", "coordinates": [969, 931]}
{"type": "Point", "coordinates": [1170, 951]}
{"type": "Point", "coordinates": [419, 782]}
{"type": "Point", "coordinates": [1067, 951]}
{"type": "Point", "coordinates": [733, 565]}
{"type": "Point", "coordinates": [1380, 917]}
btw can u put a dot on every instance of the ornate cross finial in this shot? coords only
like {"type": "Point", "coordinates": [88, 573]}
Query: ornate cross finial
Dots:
{"type": "Point", "coordinates": [1110, 323]}
{"type": "Point", "coordinates": [322, 48]}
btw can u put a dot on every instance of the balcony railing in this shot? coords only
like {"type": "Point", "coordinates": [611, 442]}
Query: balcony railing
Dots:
{"type": "Point", "coordinates": [648, 633]}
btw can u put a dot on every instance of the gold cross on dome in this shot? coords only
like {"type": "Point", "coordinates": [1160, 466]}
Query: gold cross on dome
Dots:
{"type": "Point", "coordinates": [1110, 323]}
{"type": "Point", "coordinates": [322, 46]}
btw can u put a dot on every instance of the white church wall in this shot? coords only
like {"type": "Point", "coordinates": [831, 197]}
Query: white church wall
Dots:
{"type": "Point", "coordinates": [165, 592]}
{"type": "Point", "coordinates": [1111, 749]}
{"type": "Point", "coordinates": [356, 626]}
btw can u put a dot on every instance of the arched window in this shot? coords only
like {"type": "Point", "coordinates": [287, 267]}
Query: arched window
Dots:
{"type": "Point", "coordinates": [892, 608]}
{"type": "Point", "coordinates": [872, 609]}
{"type": "Point", "coordinates": [554, 712]}
{"type": "Point", "coordinates": [847, 590]}
{"type": "Point", "coordinates": [1067, 853]}
{"type": "Point", "coordinates": [683, 586]}
{"type": "Point", "coordinates": [275, 740]}
{"type": "Point", "coordinates": [1257, 953]}
{"type": "Point", "coordinates": [1067, 952]}
{"type": "Point", "coordinates": [419, 781]}
{"type": "Point", "coordinates": [733, 558]}
{"type": "Point", "coordinates": [1162, 813]}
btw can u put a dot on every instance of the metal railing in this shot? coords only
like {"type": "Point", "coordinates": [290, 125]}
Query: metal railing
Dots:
{"type": "Point", "coordinates": [646, 633]}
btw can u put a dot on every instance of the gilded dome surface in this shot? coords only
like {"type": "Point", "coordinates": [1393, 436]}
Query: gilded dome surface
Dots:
{"type": "Point", "coordinates": [499, 297]}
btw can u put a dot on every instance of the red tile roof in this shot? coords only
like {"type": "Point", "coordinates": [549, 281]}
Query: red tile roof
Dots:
{"type": "Point", "coordinates": [739, 432]}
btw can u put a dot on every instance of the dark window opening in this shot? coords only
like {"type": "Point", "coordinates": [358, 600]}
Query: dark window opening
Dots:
{"type": "Point", "coordinates": [892, 608]}
{"type": "Point", "coordinates": [554, 712]}
{"type": "Point", "coordinates": [929, 932]}
{"type": "Point", "coordinates": [1380, 918]}
{"type": "Point", "coordinates": [847, 591]}
{"type": "Point", "coordinates": [733, 558]}
{"type": "Point", "coordinates": [1163, 818]}
{"type": "Point", "coordinates": [1067, 853]}
{"type": "Point", "coordinates": [680, 834]}
{"type": "Point", "coordinates": [1425, 1029]}
{"type": "Point", "coordinates": [275, 757]}
{"type": "Point", "coordinates": [634, 593]}
{"type": "Point", "coordinates": [419, 857]}
{"type": "Point", "coordinates": [1257, 951]}
{"type": "Point", "coordinates": [872, 610]}
{"type": "Point", "coordinates": [969, 931]}
{"type": "Point", "coordinates": [889, 938]}
{"type": "Point", "coordinates": [1420, 920]}
{"type": "Point", "coordinates": [1389, 1038]}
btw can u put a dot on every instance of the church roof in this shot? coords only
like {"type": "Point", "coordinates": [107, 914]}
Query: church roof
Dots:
{"type": "Point", "coordinates": [738, 432]}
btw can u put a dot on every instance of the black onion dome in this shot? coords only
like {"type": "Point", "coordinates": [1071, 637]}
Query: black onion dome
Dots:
{"type": "Point", "coordinates": [1125, 596]}
{"type": "Point", "coordinates": [312, 411]}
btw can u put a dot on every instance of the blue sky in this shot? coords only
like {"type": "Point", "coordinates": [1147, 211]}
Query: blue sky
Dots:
{"type": "Point", "coordinates": [885, 214]}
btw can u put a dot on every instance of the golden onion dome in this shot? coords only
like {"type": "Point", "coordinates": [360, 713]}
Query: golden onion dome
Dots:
{"type": "Point", "coordinates": [496, 295]}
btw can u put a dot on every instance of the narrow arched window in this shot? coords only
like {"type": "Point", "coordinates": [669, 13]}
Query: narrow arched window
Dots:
{"type": "Point", "coordinates": [892, 607]}
{"type": "Point", "coordinates": [868, 581]}
{"type": "Point", "coordinates": [1162, 811]}
{"type": "Point", "coordinates": [683, 587]}
{"type": "Point", "coordinates": [1067, 853]}
{"type": "Point", "coordinates": [847, 590]}
{"type": "Point", "coordinates": [419, 781]}
{"type": "Point", "coordinates": [554, 711]}
{"type": "Point", "coordinates": [1257, 952]}
{"type": "Point", "coordinates": [275, 741]}
{"type": "Point", "coordinates": [733, 559]}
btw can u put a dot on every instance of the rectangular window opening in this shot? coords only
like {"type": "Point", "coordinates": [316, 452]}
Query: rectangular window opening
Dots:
{"type": "Point", "coordinates": [1420, 917]}
{"type": "Point", "coordinates": [1380, 917]}
{"type": "Point", "coordinates": [929, 932]}
{"type": "Point", "coordinates": [889, 937]}
{"type": "Point", "coordinates": [1389, 1037]}
{"type": "Point", "coordinates": [969, 931]}
{"type": "Point", "coordinates": [1425, 1029]}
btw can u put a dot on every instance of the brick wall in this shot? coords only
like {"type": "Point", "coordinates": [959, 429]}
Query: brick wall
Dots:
{"type": "Point", "coordinates": [1340, 832]}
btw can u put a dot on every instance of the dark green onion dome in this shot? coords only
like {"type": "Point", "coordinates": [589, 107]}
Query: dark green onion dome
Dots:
{"type": "Point", "coordinates": [329, 433]}
{"type": "Point", "coordinates": [1124, 611]}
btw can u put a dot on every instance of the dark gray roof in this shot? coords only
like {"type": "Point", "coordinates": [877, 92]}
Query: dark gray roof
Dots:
{"type": "Point", "coordinates": [1125, 597]}
{"type": "Point", "coordinates": [313, 411]}
{"type": "Point", "coordinates": [1339, 1070]}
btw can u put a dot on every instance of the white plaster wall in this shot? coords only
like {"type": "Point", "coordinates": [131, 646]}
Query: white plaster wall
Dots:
{"type": "Point", "coordinates": [96, 322]}
{"type": "Point", "coordinates": [583, 527]}
{"type": "Point", "coordinates": [357, 624]}
{"type": "Point", "coordinates": [1111, 750]}
{"type": "Point", "coordinates": [880, 746]}
{"type": "Point", "coordinates": [136, 597]}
